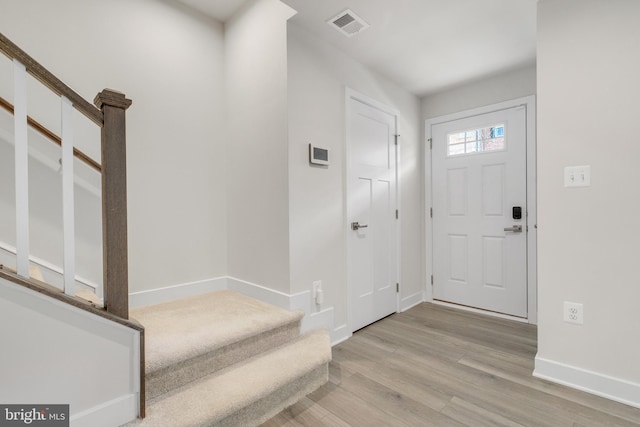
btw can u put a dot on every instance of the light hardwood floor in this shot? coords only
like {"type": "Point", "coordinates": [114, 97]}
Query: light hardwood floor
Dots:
{"type": "Point", "coordinates": [435, 366]}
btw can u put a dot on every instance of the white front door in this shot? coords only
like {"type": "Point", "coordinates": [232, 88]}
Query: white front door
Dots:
{"type": "Point", "coordinates": [372, 241]}
{"type": "Point", "coordinates": [479, 180]}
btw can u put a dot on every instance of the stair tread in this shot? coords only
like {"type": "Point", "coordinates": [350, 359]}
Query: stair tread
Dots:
{"type": "Point", "coordinates": [240, 385]}
{"type": "Point", "coordinates": [187, 328]}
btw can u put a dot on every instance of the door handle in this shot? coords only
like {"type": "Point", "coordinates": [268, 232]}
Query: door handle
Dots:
{"type": "Point", "coordinates": [514, 229]}
{"type": "Point", "coordinates": [355, 226]}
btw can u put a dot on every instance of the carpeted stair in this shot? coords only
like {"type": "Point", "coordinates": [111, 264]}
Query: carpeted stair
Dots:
{"type": "Point", "coordinates": [224, 359]}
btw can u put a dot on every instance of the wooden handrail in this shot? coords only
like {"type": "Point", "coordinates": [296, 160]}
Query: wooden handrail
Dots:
{"type": "Point", "coordinates": [52, 136]}
{"type": "Point", "coordinates": [45, 77]}
{"type": "Point", "coordinates": [9, 274]}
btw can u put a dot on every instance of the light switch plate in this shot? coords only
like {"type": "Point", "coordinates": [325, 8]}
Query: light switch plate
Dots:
{"type": "Point", "coordinates": [577, 176]}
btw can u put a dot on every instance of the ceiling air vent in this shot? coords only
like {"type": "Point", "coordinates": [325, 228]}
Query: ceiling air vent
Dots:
{"type": "Point", "coordinates": [348, 23]}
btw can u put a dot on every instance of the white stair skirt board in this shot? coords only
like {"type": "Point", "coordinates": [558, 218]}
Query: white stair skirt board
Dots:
{"type": "Point", "coordinates": [96, 348]}
{"type": "Point", "coordinates": [226, 359]}
{"type": "Point", "coordinates": [108, 414]}
{"type": "Point", "coordinates": [601, 385]}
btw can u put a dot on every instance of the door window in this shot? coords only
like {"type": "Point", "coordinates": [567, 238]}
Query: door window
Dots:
{"type": "Point", "coordinates": [479, 140]}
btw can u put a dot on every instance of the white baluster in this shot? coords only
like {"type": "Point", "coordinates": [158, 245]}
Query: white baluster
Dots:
{"type": "Point", "coordinates": [68, 205]}
{"type": "Point", "coordinates": [21, 168]}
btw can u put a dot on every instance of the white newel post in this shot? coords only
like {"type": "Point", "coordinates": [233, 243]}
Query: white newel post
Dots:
{"type": "Point", "coordinates": [68, 205]}
{"type": "Point", "coordinates": [21, 168]}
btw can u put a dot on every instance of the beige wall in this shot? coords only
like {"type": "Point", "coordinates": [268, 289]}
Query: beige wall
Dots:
{"type": "Point", "coordinates": [257, 144]}
{"type": "Point", "coordinates": [318, 77]}
{"type": "Point", "coordinates": [588, 87]}
{"type": "Point", "coordinates": [168, 60]}
{"type": "Point", "coordinates": [491, 90]}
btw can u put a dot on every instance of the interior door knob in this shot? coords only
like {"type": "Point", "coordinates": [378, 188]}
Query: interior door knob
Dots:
{"type": "Point", "coordinates": [514, 229]}
{"type": "Point", "coordinates": [355, 226]}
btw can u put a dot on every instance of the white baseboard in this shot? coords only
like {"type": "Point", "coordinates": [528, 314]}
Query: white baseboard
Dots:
{"type": "Point", "coordinates": [411, 301]}
{"type": "Point", "coordinates": [340, 334]}
{"type": "Point", "coordinates": [270, 296]}
{"type": "Point", "coordinates": [478, 311]}
{"type": "Point", "coordinates": [321, 319]}
{"type": "Point", "coordinates": [169, 293]}
{"type": "Point", "coordinates": [300, 301]}
{"type": "Point", "coordinates": [114, 413]}
{"type": "Point", "coordinates": [591, 382]}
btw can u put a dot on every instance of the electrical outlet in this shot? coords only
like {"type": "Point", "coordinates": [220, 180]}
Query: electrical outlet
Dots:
{"type": "Point", "coordinates": [573, 313]}
{"type": "Point", "coordinates": [317, 291]}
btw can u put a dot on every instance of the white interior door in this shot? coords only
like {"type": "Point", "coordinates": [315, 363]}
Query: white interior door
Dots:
{"type": "Point", "coordinates": [372, 240]}
{"type": "Point", "coordinates": [479, 181]}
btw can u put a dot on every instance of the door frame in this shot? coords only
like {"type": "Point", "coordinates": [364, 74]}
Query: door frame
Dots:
{"type": "Point", "coordinates": [350, 95]}
{"type": "Point", "coordinates": [532, 219]}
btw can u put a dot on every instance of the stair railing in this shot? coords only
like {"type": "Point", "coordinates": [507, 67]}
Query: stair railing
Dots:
{"type": "Point", "coordinates": [109, 114]}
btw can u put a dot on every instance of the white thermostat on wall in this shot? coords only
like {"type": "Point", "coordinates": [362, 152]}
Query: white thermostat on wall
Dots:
{"type": "Point", "coordinates": [318, 155]}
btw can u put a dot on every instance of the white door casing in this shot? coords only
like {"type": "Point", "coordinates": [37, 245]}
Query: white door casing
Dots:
{"type": "Point", "coordinates": [371, 202]}
{"type": "Point", "coordinates": [476, 263]}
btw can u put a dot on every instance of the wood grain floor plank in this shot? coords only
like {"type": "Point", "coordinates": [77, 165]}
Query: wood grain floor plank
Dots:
{"type": "Point", "coordinates": [470, 414]}
{"type": "Point", "coordinates": [495, 333]}
{"type": "Point", "coordinates": [337, 373]}
{"type": "Point", "coordinates": [280, 420]}
{"type": "Point", "coordinates": [451, 377]}
{"type": "Point", "coordinates": [306, 413]}
{"type": "Point", "coordinates": [332, 421]}
{"type": "Point", "coordinates": [353, 360]}
{"type": "Point", "coordinates": [434, 365]}
{"type": "Point", "coordinates": [414, 387]}
{"type": "Point", "coordinates": [484, 390]}
{"type": "Point", "coordinates": [374, 343]}
{"type": "Point", "coordinates": [445, 347]}
{"type": "Point", "coordinates": [395, 404]}
{"type": "Point", "coordinates": [351, 409]}
{"type": "Point", "coordinates": [619, 413]}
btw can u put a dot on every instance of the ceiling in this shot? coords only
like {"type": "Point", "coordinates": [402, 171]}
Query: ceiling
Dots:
{"type": "Point", "coordinates": [219, 9]}
{"type": "Point", "coordinates": [425, 46]}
